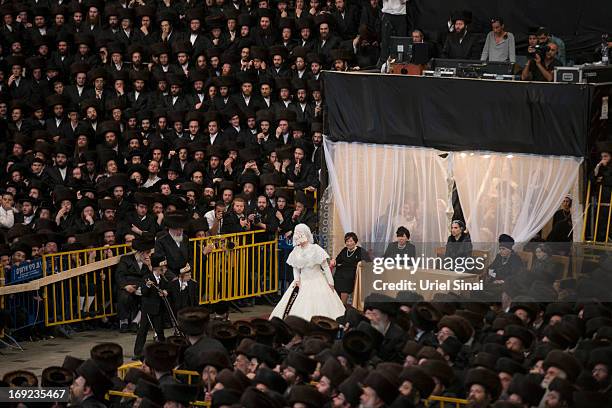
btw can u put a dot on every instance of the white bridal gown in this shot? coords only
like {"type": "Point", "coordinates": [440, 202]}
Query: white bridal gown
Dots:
{"type": "Point", "coordinates": [315, 297]}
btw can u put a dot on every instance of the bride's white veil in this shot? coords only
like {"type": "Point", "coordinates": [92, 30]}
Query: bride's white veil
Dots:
{"type": "Point", "coordinates": [302, 234]}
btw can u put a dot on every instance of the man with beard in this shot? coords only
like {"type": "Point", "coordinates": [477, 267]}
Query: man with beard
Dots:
{"type": "Point", "coordinates": [461, 44]}
{"type": "Point", "coordinates": [382, 309]}
{"type": "Point", "coordinates": [317, 141]}
{"type": "Point", "coordinates": [235, 220]}
{"type": "Point", "coordinates": [176, 101]}
{"type": "Point", "coordinates": [298, 369]}
{"type": "Point", "coordinates": [58, 173]}
{"type": "Point", "coordinates": [90, 386]}
{"type": "Point", "coordinates": [138, 97]}
{"type": "Point", "coordinates": [174, 244]}
{"type": "Point", "coordinates": [109, 130]}
{"type": "Point", "coordinates": [278, 69]}
{"type": "Point", "coordinates": [300, 106]}
{"type": "Point", "coordinates": [327, 39]}
{"type": "Point", "coordinates": [263, 35]}
{"type": "Point", "coordinates": [301, 173]}
{"type": "Point", "coordinates": [263, 140]}
{"type": "Point", "coordinates": [379, 390]}
{"type": "Point", "coordinates": [600, 363]}
{"type": "Point", "coordinates": [108, 208]}
{"type": "Point", "coordinates": [267, 220]}
{"type": "Point", "coordinates": [559, 364]}
{"type": "Point", "coordinates": [560, 394]}
{"type": "Point", "coordinates": [130, 273]}
{"type": "Point", "coordinates": [249, 181]}
{"type": "Point", "coordinates": [483, 387]}
{"type": "Point", "coordinates": [215, 173]}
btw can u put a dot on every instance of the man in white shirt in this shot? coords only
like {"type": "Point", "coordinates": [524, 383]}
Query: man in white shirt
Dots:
{"type": "Point", "coordinates": [7, 216]}
{"type": "Point", "coordinates": [394, 23]}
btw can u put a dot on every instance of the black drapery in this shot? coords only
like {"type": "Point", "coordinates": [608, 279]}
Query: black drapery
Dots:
{"type": "Point", "coordinates": [459, 114]}
{"type": "Point", "coordinates": [579, 24]}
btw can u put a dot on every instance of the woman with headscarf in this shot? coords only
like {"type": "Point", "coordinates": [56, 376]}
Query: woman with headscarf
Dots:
{"type": "Point", "coordinates": [312, 291]}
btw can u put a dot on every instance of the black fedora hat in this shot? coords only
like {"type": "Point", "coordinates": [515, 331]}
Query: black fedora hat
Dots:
{"type": "Point", "coordinates": [108, 356]}
{"type": "Point", "coordinates": [56, 377]}
{"type": "Point", "coordinates": [193, 320]}
{"type": "Point", "coordinates": [178, 219]}
{"type": "Point", "coordinates": [144, 242]}
{"type": "Point", "coordinates": [161, 356]}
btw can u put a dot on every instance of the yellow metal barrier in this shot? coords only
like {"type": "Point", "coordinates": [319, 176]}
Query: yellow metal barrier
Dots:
{"type": "Point", "coordinates": [122, 371]}
{"type": "Point", "coordinates": [129, 395]}
{"type": "Point", "coordinates": [597, 215]}
{"type": "Point", "coordinates": [446, 402]}
{"type": "Point", "coordinates": [84, 297]}
{"type": "Point", "coordinates": [241, 265]}
{"type": "Point", "coordinates": [192, 377]}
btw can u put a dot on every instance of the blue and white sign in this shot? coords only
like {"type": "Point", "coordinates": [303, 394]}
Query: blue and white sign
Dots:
{"type": "Point", "coordinates": [25, 271]}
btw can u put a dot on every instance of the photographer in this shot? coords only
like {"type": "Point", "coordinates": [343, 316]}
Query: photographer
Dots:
{"type": "Point", "coordinates": [236, 220]}
{"type": "Point", "coordinates": [263, 218]}
{"type": "Point", "coordinates": [541, 66]}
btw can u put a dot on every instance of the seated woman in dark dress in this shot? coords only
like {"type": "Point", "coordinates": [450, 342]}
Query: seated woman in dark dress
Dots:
{"type": "Point", "coordinates": [543, 268]}
{"type": "Point", "coordinates": [401, 247]}
{"type": "Point", "coordinates": [459, 244]}
{"type": "Point", "coordinates": [345, 266]}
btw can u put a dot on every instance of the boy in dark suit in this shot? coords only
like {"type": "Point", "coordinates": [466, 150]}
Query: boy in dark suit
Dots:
{"type": "Point", "coordinates": [184, 290]}
{"type": "Point", "coordinates": [153, 289]}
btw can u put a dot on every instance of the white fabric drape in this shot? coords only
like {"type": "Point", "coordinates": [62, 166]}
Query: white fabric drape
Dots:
{"type": "Point", "coordinates": [512, 194]}
{"type": "Point", "coordinates": [377, 188]}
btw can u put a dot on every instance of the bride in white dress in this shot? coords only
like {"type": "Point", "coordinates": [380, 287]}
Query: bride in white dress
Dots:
{"type": "Point", "coordinates": [311, 274]}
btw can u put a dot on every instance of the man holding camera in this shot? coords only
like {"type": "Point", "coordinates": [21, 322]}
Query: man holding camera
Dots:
{"type": "Point", "coordinates": [541, 63]}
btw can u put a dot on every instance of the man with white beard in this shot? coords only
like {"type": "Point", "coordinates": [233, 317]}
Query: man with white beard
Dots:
{"type": "Point", "coordinates": [558, 364]}
{"type": "Point", "coordinates": [379, 309]}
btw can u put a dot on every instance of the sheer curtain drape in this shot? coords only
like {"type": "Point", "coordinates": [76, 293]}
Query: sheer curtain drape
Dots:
{"type": "Point", "coordinates": [512, 194]}
{"type": "Point", "coordinates": [377, 188]}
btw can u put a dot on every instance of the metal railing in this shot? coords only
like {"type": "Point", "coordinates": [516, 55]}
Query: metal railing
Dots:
{"type": "Point", "coordinates": [241, 265]}
{"type": "Point", "coordinates": [597, 214]}
{"type": "Point", "coordinates": [443, 402]}
{"type": "Point", "coordinates": [446, 402]}
{"type": "Point", "coordinates": [85, 297]}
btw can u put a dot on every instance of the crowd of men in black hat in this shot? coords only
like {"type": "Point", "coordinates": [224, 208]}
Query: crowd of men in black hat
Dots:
{"type": "Point", "coordinates": [394, 354]}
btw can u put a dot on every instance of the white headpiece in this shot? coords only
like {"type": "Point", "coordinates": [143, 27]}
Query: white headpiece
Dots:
{"type": "Point", "coordinates": [302, 234]}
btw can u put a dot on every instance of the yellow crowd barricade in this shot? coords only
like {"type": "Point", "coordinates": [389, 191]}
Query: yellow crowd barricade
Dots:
{"type": "Point", "coordinates": [85, 297]}
{"type": "Point", "coordinates": [193, 378]}
{"type": "Point", "coordinates": [241, 265]}
{"type": "Point", "coordinates": [446, 402]}
{"type": "Point", "coordinates": [597, 215]}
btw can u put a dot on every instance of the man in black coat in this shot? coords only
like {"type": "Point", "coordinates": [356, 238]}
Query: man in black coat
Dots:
{"type": "Point", "coordinates": [461, 44]}
{"type": "Point", "coordinates": [141, 220]}
{"type": "Point", "coordinates": [193, 322]}
{"type": "Point", "coordinates": [129, 276]}
{"type": "Point", "coordinates": [154, 287]}
{"type": "Point", "coordinates": [174, 244]}
{"type": "Point", "coordinates": [236, 220]}
{"type": "Point", "coordinates": [184, 290]}
{"type": "Point", "coordinates": [382, 309]}
{"type": "Point", "coordinates": [90, 386]}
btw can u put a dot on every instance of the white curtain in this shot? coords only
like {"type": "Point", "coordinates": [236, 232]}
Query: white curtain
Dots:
{"type": "Point", "coordinates": [512, 194]}
{"type": "Point", "coordinates": [377, 188]}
